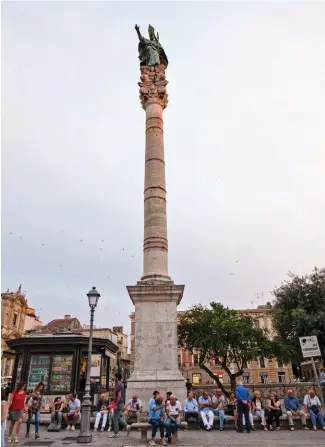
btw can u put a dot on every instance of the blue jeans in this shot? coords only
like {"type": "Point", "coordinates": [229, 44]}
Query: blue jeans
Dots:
{"type": "Point", "coordinates": [221, 414]}
{"type": "Point", "coordinates": [30, 418]}
{"type": "Point", "coordinates": [316, 416]}
{"type": "Point", "coordinates": [171, 427]}
{"type": "Point", "coordinates": [157, 423]}
{"type": "Point", "coordinates": [117, 419]}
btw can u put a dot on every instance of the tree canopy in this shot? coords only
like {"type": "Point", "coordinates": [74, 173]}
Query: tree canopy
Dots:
{"type": "Point", "coordinates": [225, 336]}
{"type": "Point", "coordinates": [299, 310]}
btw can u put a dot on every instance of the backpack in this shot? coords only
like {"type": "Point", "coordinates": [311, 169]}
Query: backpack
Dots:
{"type": "Point", "coordinates": [34, 403]}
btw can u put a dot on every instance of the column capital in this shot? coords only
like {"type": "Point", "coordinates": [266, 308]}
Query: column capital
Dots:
{"type": "Point", "coordinates": [153, 86]}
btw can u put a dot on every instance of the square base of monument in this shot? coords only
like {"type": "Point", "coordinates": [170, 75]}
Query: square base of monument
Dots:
{"type": "Point", "coordinates": [145, 388]}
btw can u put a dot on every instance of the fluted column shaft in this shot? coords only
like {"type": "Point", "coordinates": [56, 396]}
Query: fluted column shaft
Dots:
{"type": "Point", "coordinates": [155, 245]}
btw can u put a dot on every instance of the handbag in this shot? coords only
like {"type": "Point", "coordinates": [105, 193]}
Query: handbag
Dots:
{"type": "Point", "coordinates": [314, 408]}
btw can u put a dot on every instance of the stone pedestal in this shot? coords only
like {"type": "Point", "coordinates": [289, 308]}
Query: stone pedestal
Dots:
{"type": "Point", "coordinates": [155, 296]}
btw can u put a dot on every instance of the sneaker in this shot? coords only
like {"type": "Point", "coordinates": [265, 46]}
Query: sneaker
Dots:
{"type": "Point", "coordinates": [95, 429]}
{"type": "Point", "coordinates": [292, 428]}
{"type": "Point", "coordinates": [16, 441]}
{"type": "Point", "coordinates": [314, 428]}
{"type": "Point", "coordinates": [128, 429]}
{"type": "Point", "coordinates": [163, 442]}
{"type": "Point", "coordinates": [36, 435]}
{"type": "Point", "coordinates": [278, 428]}
{"type": "Point", "coordinates": [115, 435]}
{"type": "Point", "coordinates": [27, 435]}
{"type": "Point", "coordinates": [271, 427]}
{"type": "Point", "coordinates": [73, 428]}
{"type": "Point", "coordinates": [102, 429]}
{"type": "Point", "coordinates": [68, 427]}
{"type": "Point", "coordinates": [109, 429]}
{"type": "Point", "coordinates": [152, 442]}
{"type": "Point", "coordinates": [221, 428]}
{"type": "Point", "coordinates": [305, 427]}
{"type": "Point", "coordinates": [9, 440]}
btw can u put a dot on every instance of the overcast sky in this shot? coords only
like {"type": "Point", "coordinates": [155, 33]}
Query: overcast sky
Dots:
{"type": "Point", "coordinates": [244, 145]}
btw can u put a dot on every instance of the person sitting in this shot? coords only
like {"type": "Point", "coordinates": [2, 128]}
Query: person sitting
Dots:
{"type": "Point", "coordinates": [191, 409]}
{"type": "Point", "coordinates": [102, 412]}
{"type": "Point", "coordinates": [57, 412]}
{"type": "Point", "coordinates": [173, 420]}
{"type": "Point", "coordinates": [257, 408]}
{"type": "Point", "coordinates": [314, 408]}
{"type": "Point", "coordinates": [156, 419]}
{"type": "Point", "coordinates": [72, 418]}
{"type": "Point", "coordinates": [134, 408]}
{"type": "Point", "coordinates": [293, 408]}
{"type": "Point", "coordinates": [231, 409]}
{"type": "Point", "coordinates": [274, 411]}
{"type": "Point", "coordinates": [206, 413]}
{"type": "Point", "coordinates": [219, 402]}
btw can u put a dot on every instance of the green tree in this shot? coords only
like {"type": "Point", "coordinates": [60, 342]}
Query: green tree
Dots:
{"type": "Point", "coordinates": [225, 336]}
{"type": "Point", "coordinates": [299, 310]}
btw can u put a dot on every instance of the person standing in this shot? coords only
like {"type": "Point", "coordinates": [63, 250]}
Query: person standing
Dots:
{"type": "Point", "coordinates": [16, 407]}
{"type": "Point", "coordinates": [4, 412]}
{"type": "Point", "coordinates": [243, 401]}
{"type": "Point", "coordinates": [119, 402]}
{"type": "Point", "coordinates": [34, 405]}
{"type": "Point", "coordinates": [314, 408]}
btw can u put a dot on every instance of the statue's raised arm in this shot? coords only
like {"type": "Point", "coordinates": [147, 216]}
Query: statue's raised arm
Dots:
{"type": "Point", "coordinates": [137, 28]}
{"type": "Point", "coordinates": [151, 51]}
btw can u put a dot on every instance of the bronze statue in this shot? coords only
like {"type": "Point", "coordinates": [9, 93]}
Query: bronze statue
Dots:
{"type": "Point", "coordinates": [151, 51]}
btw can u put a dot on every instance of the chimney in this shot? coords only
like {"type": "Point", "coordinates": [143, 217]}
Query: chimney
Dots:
{"type": "Point", "coordinates": [67, 316]}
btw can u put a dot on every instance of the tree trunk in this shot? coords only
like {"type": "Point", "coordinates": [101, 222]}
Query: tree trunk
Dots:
{"type": "Point", "coordinates": [214, 377]}
{"type": "Point", "coordinates": [233, 382]}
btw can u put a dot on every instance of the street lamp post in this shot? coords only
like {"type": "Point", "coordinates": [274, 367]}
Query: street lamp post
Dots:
{"type": "Point", "coordinates": [84, 436]}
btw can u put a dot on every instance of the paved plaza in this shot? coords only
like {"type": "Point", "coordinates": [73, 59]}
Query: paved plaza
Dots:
{"type": "Point", "coordinates": [226, 438]}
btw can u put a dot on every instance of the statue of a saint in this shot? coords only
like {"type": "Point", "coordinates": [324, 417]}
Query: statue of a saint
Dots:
{"type": "Point", "coordinates": [151, 51]}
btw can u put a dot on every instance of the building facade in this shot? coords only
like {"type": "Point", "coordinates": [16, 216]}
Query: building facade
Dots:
{"type": "Point", "coordinates": [262, 371]}
{"type": "Point", "coordinates": [16, 318]}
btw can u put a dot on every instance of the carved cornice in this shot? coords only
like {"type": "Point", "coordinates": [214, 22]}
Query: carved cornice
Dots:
{"type": "Point", "coordinates": [153, 86]}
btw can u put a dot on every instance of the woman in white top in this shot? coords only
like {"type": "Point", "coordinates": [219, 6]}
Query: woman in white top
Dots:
{"type": "Point", "coordinates": [313, 407]}
{"type": "Point", "coordinates": [257, 408]}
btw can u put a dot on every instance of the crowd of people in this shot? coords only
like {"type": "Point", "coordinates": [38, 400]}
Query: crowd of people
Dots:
{"type": "Point", "coordinates": [163, 413]}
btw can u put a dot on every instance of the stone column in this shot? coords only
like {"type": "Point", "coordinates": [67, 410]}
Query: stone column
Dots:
{"type": "Point", "coordinates": [154, 98]}
{"type": "Point", "coordinates": [155, 296]}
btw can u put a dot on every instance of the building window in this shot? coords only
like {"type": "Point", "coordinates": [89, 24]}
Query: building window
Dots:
{"type": "Point", "coordinates": [196, 359]}
{"type": "Point", "coordinates": [245, 365]}
{"type": "Point", "coordinates": [262, 362]}
{"type": "Point", "coordinates": [264, 377]}
{"type": "Point", "coordinates": [246, 378]}
{"type": "Point", "coordinates": [196, 379]}
{"type": "Point", "coordinates": [281, 377]}
{"type": "Point", "coordinates": [14, 319]}
{"type": "Point", "coordinates": [280, 364]}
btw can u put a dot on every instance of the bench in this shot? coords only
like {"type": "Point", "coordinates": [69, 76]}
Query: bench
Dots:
{"type": "Point", "coordinates": [144, 426]}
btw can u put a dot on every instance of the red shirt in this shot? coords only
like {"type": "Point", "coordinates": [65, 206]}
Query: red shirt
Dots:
{"type": "Point", "coordinates": [18, 401]}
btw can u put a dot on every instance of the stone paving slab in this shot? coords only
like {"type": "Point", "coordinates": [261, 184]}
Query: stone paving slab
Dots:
{"type": "Point", "coordinates": [227, 438]}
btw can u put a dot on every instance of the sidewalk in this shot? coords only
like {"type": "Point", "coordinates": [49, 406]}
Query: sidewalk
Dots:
{"type": "Point", "coordinates": [227, 438]}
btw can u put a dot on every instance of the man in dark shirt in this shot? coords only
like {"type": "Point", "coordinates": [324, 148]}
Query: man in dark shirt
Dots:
{"type": "Point", "coordinates": [119, 402]}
